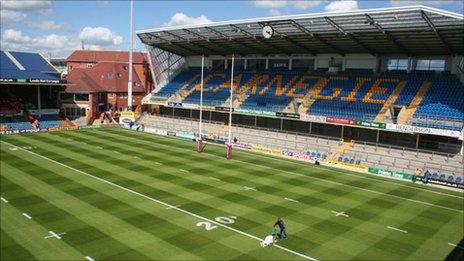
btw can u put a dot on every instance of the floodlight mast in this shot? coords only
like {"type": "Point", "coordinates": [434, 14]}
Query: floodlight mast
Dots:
{"type": "Point", "coordinates": [129, 83]}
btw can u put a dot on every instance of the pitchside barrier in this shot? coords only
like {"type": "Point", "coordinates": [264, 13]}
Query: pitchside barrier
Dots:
{"type": "Point", "coordinates": [302, 156]}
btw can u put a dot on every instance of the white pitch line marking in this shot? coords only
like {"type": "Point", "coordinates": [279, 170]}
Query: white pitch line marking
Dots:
{"type": "Point", "coordinates": [329, 181]}
{"type": "Point", "coordinates": [183, 170]}
{"type": "Point", "coordinates": [171, 207]}
{"type": "Point", "coordinates": [157, 163]}
{"type": "Point", "coordinates": [117, 152]}
{"type": "Point", "coordinates": [55, 235]}
{"type": "Point", "coordinates": [98, 147]}
{"type": "Point", "coordinates": [13, 149]}
{"type": "Point", "coordinates": [4, 200]}
{"type": "Point", "coordinates": [89, 258]}
{"type": "Point", "coordinates": [249, 188]}
{"type": "Point", "coordinates": [136, 157]}
{"type": "Point", "coordinates": [343, 214]}
{"type": "Point", "coordinates": [213, 178]}
{"type": "Point", "coordinates": [27, 216]}
{"type": "Point", "coordinates": [292, 200]}
{"type": "Point", "coordinates": [164, 203]}
{"type": "Point", "coordinates": [397, 229]}
{"type": "Point", "coordinates": [454, 245]}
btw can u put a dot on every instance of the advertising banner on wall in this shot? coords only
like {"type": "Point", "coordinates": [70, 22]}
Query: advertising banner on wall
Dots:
{"type": "Point", "coordinates": [423, 130]}
{"type": "Point", "coordinates": [287, 115]}
{"type": "Point", "coordinates": [175, 104]}
{"type": "Point", "coordinates": [313, 118]}
{"type": "Point", "coordinates": [297, 155]}
{"type": "Point", "coordinates": [370, 124]}
{"type": "Point", "coordinates": [340, 121]}
{"type": "Point", "coordinates": [255, 112]}
{"type": "Point", "coordinates": [222, 109]}
{"type": "Point", "coordinates": [266, 150]}
{"type": "Point", "coordinates": [191, 106]}
{"type": "Point", "coordinates": [126, 117]}
{"type": "Point", "coordinates": [390, 173]}
{"type": "Point", "coordinates": [155, 131]}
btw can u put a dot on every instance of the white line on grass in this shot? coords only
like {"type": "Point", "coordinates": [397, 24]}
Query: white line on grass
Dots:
{"type": "Point", "coordinates": [27, 216]}
{"type": "Point", "coordinates": [89, 258]}
{"type": "Point", "coordinates": [4, 200]}
{"type": "Point", "coordinates": [397, 229]}
{"type": "Point", "coordinates": [249, 188]}
{"type": "Point", "coordinates": [334, 182]}
{"type": "Point", "coordinates": [136, 157]}
{"type": "Point", "coordinates": [55, 235]}
{"type": "Point", "coordinates": [293, 200]}
{"type": "Point", "coordinates": [160, 202]}
{"type": "Point", "coordinates": [183, 170]}
{"type": "Point", "coordinates": [343, 214]}
{"type": "Point", "coordinates": [171, 207]}
{"type": "Point", "coordinates": [454, 245]}
{"type": "Point", "coordinates": [157, 163]}
{"type": "Point", "coordinates": [117, 152]}
{"type": "Point", "coordinates": [213, 178]}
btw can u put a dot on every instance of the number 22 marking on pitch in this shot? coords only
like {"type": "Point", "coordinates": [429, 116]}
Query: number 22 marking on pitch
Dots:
{"type": "Point", "coordinates": [224, 220]}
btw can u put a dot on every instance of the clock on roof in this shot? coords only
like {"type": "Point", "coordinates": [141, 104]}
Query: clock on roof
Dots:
{"type": "Point", "coordinates": [268, 31]}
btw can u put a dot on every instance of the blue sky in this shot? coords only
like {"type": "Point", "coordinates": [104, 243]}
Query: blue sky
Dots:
{"type": "Point", "coordinates": [59, 27]}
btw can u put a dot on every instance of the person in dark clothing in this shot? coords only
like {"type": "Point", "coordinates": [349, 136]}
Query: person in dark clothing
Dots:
{"type": "Point", "coordinates": [282, 227]}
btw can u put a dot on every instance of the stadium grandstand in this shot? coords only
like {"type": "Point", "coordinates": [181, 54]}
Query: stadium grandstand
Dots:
{"type": "Point", "coordinates": [380, 87]}
{"type": "Point", "coordinates": [342, 134]}
{"type": "Point", "coordinates": [29, 88]}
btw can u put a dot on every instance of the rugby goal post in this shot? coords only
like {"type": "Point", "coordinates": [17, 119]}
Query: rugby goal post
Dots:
{"type": "Point", "coordinates": [200, 145]}
{"type": "Point", "coordinates": [229, 151]}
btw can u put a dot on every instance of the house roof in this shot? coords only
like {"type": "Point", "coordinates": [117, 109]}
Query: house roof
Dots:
{"type": "Point", "coordinates": [27, 68]}
{"type": "Point", "coordinates": [106, 56]}
{"type": "Point", "coordinates": [103, 77]}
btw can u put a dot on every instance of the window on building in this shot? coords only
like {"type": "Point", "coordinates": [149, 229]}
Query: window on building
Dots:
{"type": "Point", "coordinates": [89, 65]}
{"type": "Point", "coordinates": [430, 65]}
{"type": "Point", "coordinates": [398, 64]}
{"type": "Point", "coordinates": [81, 97]}
{"type": "Point", "coordinates": [67, 96]}
{"type": "Point", "coordinates": [125, 67]}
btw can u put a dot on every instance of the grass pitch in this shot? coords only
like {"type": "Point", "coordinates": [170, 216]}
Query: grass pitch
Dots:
{"type": "Point", "coordinates": [117, 194]}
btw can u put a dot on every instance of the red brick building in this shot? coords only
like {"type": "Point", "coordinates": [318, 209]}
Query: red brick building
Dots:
{"type": "Point", "coordinates": [98, 81]}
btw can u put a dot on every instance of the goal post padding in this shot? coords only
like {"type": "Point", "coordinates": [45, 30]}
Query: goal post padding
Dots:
{"type": "Point", "coordinates": [228, 151]}
{"type": "Point", "coordinates": [200, 145]}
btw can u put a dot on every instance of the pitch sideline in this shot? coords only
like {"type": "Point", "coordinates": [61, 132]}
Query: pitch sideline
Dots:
{"type": "Point", "coordinates": [160, 202]}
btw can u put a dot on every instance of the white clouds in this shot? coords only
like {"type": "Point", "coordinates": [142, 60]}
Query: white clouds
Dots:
{"type": "Point", "coordinates": [14, 11]}
{"type": "Point", "coordinates": [14, 39]}
{"type": "Point", "coordinates": [100, 36]}
{"type": "Point", "coordinates": [10, 16]}
{"type": "Point", "coordinates": [270, 3]}
{"type": "Point", "coordinates": [305, 4]}
{"type": "Point", "coordinates": [183, 19]}
{"type": "Point", "coordinates": [342, 5]}
{"type": "Point", "coordinates": [26, 4]}
{"type": "Point", "coordinates": [276, 4]}
{"type": "Point", "coordinates": [419, 2]}
{"type": "Point", "coordinates": [275, 12]}
{"type": "Point", "coordinates": [60, 45]}
{"type": "Point", "coordinates": [45, 25]}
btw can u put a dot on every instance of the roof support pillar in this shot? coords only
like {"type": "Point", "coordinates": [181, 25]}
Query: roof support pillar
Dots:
{"type": "Point", "coordinates": [39, 103]}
